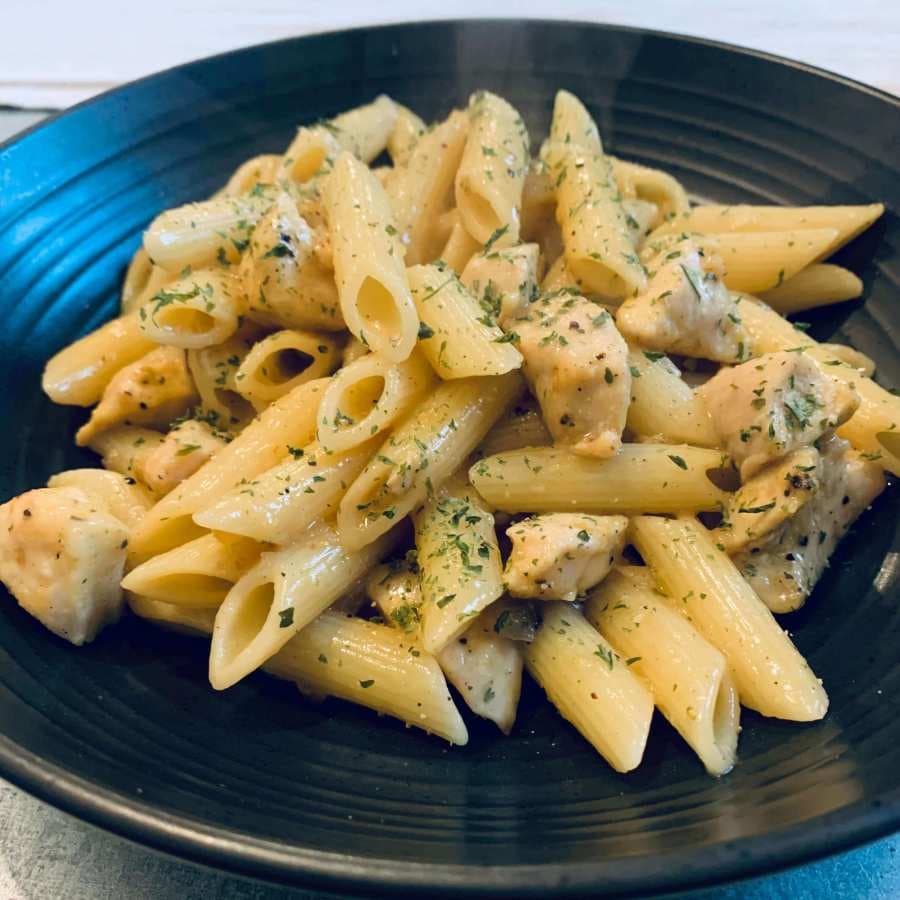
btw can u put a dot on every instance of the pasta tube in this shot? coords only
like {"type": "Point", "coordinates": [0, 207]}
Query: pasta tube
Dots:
{"type": "Point", "coordinates": [367, 396]}
{"type": "Point", "coordinates": [637, 182]}
{"type": "Point", "coordinates": [455, 334]}
{"type": "Point", "coordinates": [689, 678]}
{"type": "Point", "coordinates": [200, 234]}
{"type": "Point", "coordinates": [591, 685]}
{"type": "Point", "coordinates": [460, 569]}
{"type": "Point", "coordinates": [280, 595]}
{"type": "Point", "coordinates": [404, 136]}
{"type": "Point", "coordinates": [78, 374]}
{"type": "Point", "coordinates": [282, 361]}
{"type": "Point", "coordinates": [483, 666]}
{"type": "Point", "coordinates": [846, 221]}
{"type": "Point", "coordinates": [704, 585]}
{"type": "Point", "coordinates": [363, 131]}
{"type": "Point", "coordinates": [197, 574]}
{"type": "Point", "coordinates": [423, 451]}
{"type": "Point", "coordinates": [418, 195]}
{"type": "Point", "coordinates": [280, 504]}
{"type": "Point", "coordinates": [288, 422]}
{"type": "Point", "coordinates": [197, 311]}
{"type": "Point", "coordinates": [341, 656]}
{"type": "Point", "coordinates": [368, 261]}
{"type": "Point", "coordinates": [663, 406]}
{"type": "Point", "coordinates": [492, 171]}
{"type": "Point", "coordinates": [659, 478]}
{"type": "Point", "coordinates": [522, 426]}
{"type": "Point", "coordinates": [817, 285]}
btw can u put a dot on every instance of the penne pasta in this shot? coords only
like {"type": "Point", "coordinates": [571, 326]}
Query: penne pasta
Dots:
{"type": "Point", "coordinates": [197, 311]}
{"type": "Point", "coordinates": [374, 666]}
{"type": "Point", "coordinates": [78, 374]}
{"type": "Point", "coordinates": [404, 136]}
{"type": "Point", "coordinates": [484, 666]}
{"type": "Point", "coordinates": [703, 584]}
{"type": "Point", "coordinates": [197, 574]}
{"type": "Point", "coordinates": [182, 619]}
{"type": "Point", "coordinates": [282, 361]}
{"type": "Point", "coordinates": [285, 591]}
{"type": "Point", "coordinates": [368, 261]}
{"type": "Point", "coordinates": [637, 182]}
{"type": "Point", "coordinates": [460, 569]}
{"type": "Point", "coordinates": [282, 503]}
{"type": "Point", "coordinates": [572, 124]}
{"type": "Point", "coordinates": [258, 170]}
{"type": "Point", "coordinates": [459, 248]}
{"type": "Point", "coordinates": [367, 396]}
{"type": "Point", "coordinates": [846, 221]}
{"type": "Point", "coordinates": [328, 657]}
{"type": "Point", "coordinates": [419, 194]}
{"type": "Point", "coordinates": [521, 427]}
{"type": "Point", "coordinates": [214, 372]}
{"type": "Point", "coordinates": [424, 450]}
{"type": "Point", "coordinates": [251, 495]}
{"type": "Point", "coordinates": [689, 678]}
{"type": "Point", "coordinates": [817, 285]}
{"type": "Point", "coordinates": [663, 407]}
{"type": "Point", "coordinates": [658, 478]}
{"type": "Point", "coordinates": [201, 234]}
{"type": "Point", "coordinates": [288, 422]}
{"type": "Point", "coordinates": [456, 336]}
{"type": "Point", "coordinates": [492, 171]}
{"type": "Point", "coordinates": [591, 686]}
{"type": "Point", "coordinates": [363, 131]}
{"type": "Point", "coordinates": [599, 250]}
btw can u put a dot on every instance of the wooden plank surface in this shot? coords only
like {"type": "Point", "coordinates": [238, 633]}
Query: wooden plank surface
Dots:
{"type": "Point", "coordinates": [56, 52]}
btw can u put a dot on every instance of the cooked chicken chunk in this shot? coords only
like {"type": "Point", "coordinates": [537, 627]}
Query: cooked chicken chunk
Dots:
{"type": "Point", "coordinates": [483, 665]}
{"type": "Point", "coordinates": [560, 556]}
{"type": "Point", "coordinates": [120, 495]}
{"type": "Point", "coordinates": [486, 669]}
{"type": "Point", "coordinates": [769, 498]}
{"type": "Point", "coordinates": [576, 363]}
{"type": "Point", "coordinates": [685, 310]}
{"type": "Point", "coordinates": [185, 448]}
{"type": "Point", "coordinates": [784, 566]}
{"type": "Point", "coordinates": [152, 391]}
{"type": "Point", "coordinates": [62, 555]}
{"type": "Point", "coordinates": [503, 281]}
{"type": "Point", "coordinates": [770, 406]}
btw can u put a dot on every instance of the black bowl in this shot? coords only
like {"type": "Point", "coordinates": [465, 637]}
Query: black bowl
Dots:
{"type": "Point", "coordinates": [127, 732]}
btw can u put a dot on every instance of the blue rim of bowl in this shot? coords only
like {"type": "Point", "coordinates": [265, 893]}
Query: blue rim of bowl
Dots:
{"type": "Point", "coordinates": [230, 850]}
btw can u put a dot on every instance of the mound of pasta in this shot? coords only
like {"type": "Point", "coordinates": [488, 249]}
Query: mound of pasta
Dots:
{"type": "Point", "coordinates": [377, 428]}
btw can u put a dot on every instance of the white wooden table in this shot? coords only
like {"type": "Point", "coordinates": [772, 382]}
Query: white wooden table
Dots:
{"type": "Point", "coordinates": [57, 52]}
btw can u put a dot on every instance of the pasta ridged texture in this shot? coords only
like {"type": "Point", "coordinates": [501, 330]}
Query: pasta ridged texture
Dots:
{"type": "Point", "coordinates": [422, 452]}
{"type": "Point", "coordinates": [367, 396]}
{"type": "Point", "coordinates": [368, 261]}
{"type": "Point", "coordinates": [703, 584]}
{"type": "Point", "coordinates": [689, 677]}
{"type": "Point", "coordinates": [285, 591]}
{"type": "Point", "coordinates": [336, 655]}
